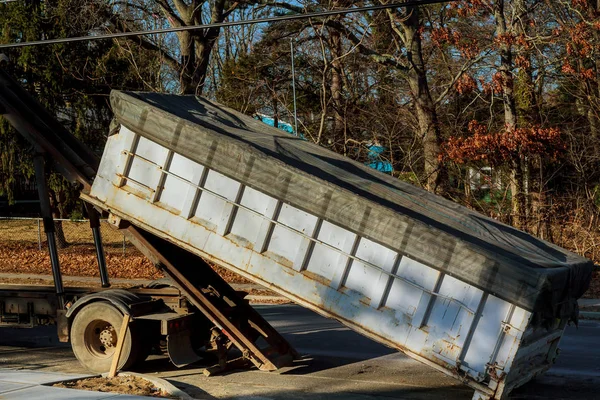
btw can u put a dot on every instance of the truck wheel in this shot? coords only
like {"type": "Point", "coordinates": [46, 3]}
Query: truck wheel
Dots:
{"type": "Point", "coordinates": [94, 335]}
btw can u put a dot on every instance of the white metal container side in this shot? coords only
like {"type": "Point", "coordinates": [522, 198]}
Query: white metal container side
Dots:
{"type": "Point", "coordinates": [431, 316]}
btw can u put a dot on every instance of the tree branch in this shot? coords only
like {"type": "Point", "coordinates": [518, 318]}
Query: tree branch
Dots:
{"type": "Point", "coordinates": [286, 6]}
{"type": "Point", "coordinates": [120, 26]}
{"type": "Point", "coordinates": [466, 66]}
{"type": "Point", "coordinates": [383, 59]}
{"type": "Point", "coordinates": [171, 15]}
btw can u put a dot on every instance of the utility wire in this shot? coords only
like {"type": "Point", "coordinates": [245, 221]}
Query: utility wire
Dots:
{"type": "Point", "coordinates": [226, 24]}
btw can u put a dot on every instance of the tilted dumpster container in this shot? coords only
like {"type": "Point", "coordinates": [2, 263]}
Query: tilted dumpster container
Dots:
{"type": "Point", "coordinates": [467, 295]}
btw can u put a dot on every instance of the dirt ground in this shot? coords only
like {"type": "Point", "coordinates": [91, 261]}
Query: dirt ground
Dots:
{"type": "Point", "coordinates": [80, 260]}
{"type": "Point", "coordinates": [120, 384]}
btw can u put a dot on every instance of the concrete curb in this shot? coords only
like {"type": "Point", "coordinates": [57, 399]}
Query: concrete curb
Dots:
{"type": "Point", "coordinates": [594, 315]}
{"type": "Point", "coordinates": [586, 303]}
{"type": "Point", "coordinates": [160, 383]}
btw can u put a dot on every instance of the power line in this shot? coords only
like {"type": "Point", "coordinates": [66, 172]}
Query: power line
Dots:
{"type": "Point", "coordinates": [227, 24]}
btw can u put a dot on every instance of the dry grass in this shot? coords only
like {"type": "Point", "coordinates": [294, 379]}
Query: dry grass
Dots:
{"type": "Point", "coordinates": [18, 230]}
{"type": "Point", "coordinates": [28, 231]}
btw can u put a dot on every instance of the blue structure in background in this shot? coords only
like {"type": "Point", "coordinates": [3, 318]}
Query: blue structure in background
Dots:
{"type": "Point", "coordinates": [375, 160]}
{"type": "Point", "coordinates": [284, 126]}
{"type": "Point", "coordinates": [374, 154]}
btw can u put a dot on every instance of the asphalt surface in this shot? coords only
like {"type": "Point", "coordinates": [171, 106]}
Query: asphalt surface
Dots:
{"type": "Point", "coordinates": [337, 364]}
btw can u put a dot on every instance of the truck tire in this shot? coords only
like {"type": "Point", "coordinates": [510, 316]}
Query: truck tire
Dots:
{"type": "Point", "coordinates": [94, 335]}
{"type": "Point", "coordinates": [161, 284]}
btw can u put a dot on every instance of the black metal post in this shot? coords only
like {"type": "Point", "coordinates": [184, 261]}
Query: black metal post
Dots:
{"type": "Point", "coordinates": [40, 173]}
{"type": "Point", "coordinates": [95, 225]}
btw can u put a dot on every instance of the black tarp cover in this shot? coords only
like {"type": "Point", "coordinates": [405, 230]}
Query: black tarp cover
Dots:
{"type": "Point", "coordinates": [497, 258]}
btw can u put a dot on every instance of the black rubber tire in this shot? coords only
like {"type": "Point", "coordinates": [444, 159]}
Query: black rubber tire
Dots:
{"type": "Point", "coordinates": [161, 284]}
{"type": "Point", "coordinates": [94, 333]}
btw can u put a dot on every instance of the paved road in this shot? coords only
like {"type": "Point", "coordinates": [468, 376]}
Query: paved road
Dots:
{"type": "Point", "coordinates": [338, 364]}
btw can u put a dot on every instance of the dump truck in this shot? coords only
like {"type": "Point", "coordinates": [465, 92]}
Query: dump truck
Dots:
{"type": "Point", "coordinates": [190, 180]}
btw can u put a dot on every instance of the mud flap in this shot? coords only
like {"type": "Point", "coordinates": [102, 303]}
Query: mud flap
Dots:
{"type": "Point", "coordinates": [62, 324]}
{"type": "Point", "coordinates": [180, 350]}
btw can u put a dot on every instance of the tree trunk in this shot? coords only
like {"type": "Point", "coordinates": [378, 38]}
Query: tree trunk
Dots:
{"type": "Point", "coordinates": [61, 240]}
{"type": "Point", "coordinates": [505, 70]}
{"type": "Point", "coordinates": [428, 129]}
{"type": "Point", "coordinates": [517, 189]}
{"type": "Point", "coordinates": [336, 83]}
{"type": "Point", "coordinates": [195, 57]}
{"type": "Point", "coordinates": [205, 42]}
{"type": "Point", "coordinates": [528, 109]}
{"type": "Point", "coordinates": [57, 200]}
{"type": "Point", "coordinates": [337, 78]}
{"type": "Point", "coordinates": [275, 106]}
{"type": "Point", "coordinates": [593, 114]}
{"type": "Point", "coordinates": [510, 114]}
{"type": "Point", "coordinates": [196, 46]}
{"type": "Point", "coordinates": [187, 75]}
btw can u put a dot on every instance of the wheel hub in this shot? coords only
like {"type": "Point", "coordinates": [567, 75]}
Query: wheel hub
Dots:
{"type": "Point", "coordinates": [100, 338]}
{"type": "Point", "coordinates": [108, 336]}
